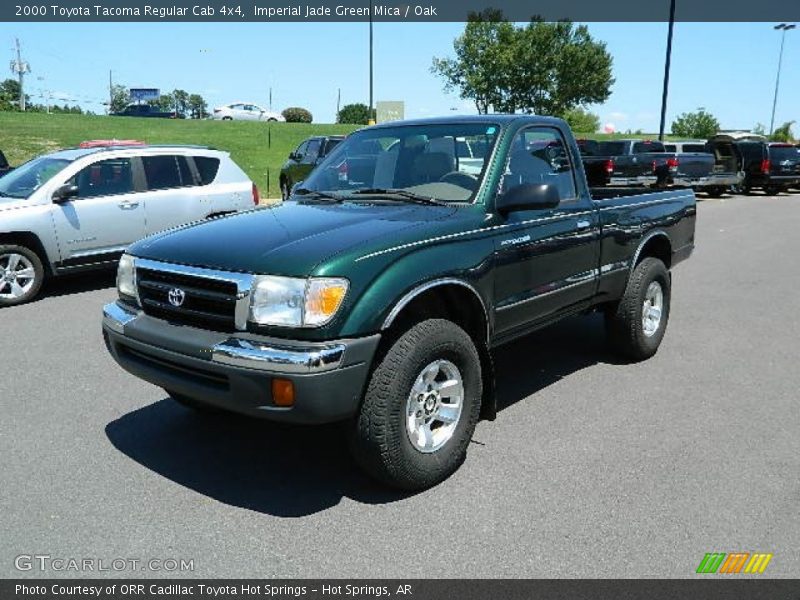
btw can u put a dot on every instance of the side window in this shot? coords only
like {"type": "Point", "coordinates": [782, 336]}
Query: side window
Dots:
{"type": "Point", "coordinates": [301, 150]}
{"type": "Point", "coordinates": [539, 155]}
{"type": "Point", "coordinates": [161, 172]}
{"type": "Point", "coordinates": [185, 172]}
{"type": "Point", "coordinates": [105, 178]}
{"type": "Point", "coordinates": [207, 167]}
{"type": "Point", "coordinates": [312, 152]}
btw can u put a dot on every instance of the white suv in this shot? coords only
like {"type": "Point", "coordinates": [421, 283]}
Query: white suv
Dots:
{"type": "Point", "coordinates": [80, 208]}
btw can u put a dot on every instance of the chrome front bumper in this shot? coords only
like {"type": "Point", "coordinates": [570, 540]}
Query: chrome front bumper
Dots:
{"type": "Point", "coordinates": [249, 353]}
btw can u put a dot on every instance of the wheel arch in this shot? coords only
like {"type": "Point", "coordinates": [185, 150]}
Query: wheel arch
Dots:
{"type": "Point", "coordinates": [455, 300]}
{"type": "Point", "coordinates": [29, 240]}
{"type": "Point", "coordinates": [655, 244]}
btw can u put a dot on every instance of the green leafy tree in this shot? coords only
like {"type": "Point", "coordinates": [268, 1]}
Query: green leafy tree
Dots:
{"type": "Point", "coordinates": [120, 98]}
{"type": "Point", "coordinates": [581, 120]}
{"type": "Point", "coordinates": [783, 133]}
{"type": "Point", "coordinates": [181, 99]}
{"type": "Point", "coordinates": [164, 103]}
{"type": "Point", "coordinates": [543, 68]}
{"type": "Point", "coordinates": [699, 124]}
{"type": "Point", "coordinates": [760, 129]}
{"type": "Point", "coordinates": [9, 95]}
{"type": "Point", "coordinates": [198, 109]}
{"type": "Point", "coordinates": [355, 114]}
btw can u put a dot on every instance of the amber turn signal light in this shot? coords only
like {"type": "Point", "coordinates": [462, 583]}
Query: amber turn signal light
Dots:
{"type": "Point", "coordinates": [282, 392]}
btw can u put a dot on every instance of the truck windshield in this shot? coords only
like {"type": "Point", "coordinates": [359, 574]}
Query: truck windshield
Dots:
{"type": "Point", "coordinates": [442, 161]}
{"type": "Point", "coordinates": [28, 178]}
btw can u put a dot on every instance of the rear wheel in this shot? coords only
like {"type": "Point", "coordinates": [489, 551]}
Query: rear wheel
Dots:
{"type": "Point", "coordinates": [227, 118]}
{"type": "Point", "coordinates": [21, 274]}
{"type": "Point", "coordinates": [715, 192]}
{"type": "Point", "coordinates": [636, 324]}
{"type": "Point", "coordinates": [772, 190]}
{"type": "Point", "coordinates": [285, 191]}
{"type": "Point", "coordinates": [420, 408]}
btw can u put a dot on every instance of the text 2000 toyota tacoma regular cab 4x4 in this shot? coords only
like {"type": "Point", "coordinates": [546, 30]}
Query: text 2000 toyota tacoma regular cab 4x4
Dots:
{"type": "Point", "coordinates": [376, 295]}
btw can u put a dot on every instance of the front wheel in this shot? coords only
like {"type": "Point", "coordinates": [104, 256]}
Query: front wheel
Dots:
{"type": "Point", "coordinates": [21, 274]}
{"type": "Point", "coordinates": [636, 324]}
{"type": "Point", "coordinates": [420, 408]}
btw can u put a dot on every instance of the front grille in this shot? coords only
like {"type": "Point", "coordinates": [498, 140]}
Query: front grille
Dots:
{"type": "Point", "coordinates": [208, 303]}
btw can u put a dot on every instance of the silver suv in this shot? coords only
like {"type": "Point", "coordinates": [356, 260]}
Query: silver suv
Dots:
{"type": "Point", "coordinates": [80, 208]}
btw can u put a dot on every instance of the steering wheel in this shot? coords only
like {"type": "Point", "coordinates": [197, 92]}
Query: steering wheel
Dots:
{"type": "Point", "coordinates": [461, 179]}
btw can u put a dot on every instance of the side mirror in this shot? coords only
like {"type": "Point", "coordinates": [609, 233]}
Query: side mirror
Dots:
{"type": "Point", "coordinates": [528, 196]}
{"type": "Point", "coordinates": [65, 193]}
{"type": "Point", "coordinates": [297, 185]}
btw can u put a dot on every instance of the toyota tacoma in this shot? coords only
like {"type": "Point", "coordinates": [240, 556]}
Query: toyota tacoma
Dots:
{"type": "Point", "coordinates": [376, 295]}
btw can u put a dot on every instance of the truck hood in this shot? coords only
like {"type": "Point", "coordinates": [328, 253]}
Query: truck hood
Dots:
{"type": "Point", "coordinates": [290, 239]}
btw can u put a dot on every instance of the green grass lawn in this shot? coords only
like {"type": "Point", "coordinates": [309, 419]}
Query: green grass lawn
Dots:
{"type": "Point", "coordinates": [25, 135]}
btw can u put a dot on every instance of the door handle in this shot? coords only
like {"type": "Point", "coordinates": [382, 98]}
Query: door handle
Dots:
{"type": "Point", "coordinates": [127, 205]}
{"type": "Point", "coordinates": [583, 224]}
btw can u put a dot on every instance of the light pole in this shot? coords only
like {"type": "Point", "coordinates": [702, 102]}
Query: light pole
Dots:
{"type": "Point", "coordinates": [783, 28]}
{"type": "Point", "coordinates": [667, 62]}
{"type": "Point", "coordinates": [370, 120]}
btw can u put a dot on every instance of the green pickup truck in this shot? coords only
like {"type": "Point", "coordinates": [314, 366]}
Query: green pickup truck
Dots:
{"type": "Point", "coordinates": [376, 295]}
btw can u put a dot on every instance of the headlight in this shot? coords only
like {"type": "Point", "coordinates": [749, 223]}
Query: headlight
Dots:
{"type": "Point", "coordinates": [126, 277]}
{"type": "Point", "coordinates": [290, 302]}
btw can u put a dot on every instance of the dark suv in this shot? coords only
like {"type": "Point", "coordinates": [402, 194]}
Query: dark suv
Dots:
{"type": "Point", "coordinates": [303, 160]}
{"type": "Point", "coordinates": [771, 166]}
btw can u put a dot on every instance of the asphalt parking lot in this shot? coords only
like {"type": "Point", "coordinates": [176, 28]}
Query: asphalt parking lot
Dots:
{"type": "Point", "coordinates": [593, 468]}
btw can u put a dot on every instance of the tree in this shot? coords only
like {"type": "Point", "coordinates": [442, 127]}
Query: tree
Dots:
{"type": "Point", "coordinates": [544, 68]}
{"type": "Point", "coordinates": [699, 124]}
{"type": "Point", "coordinates": [9, 95]}
{"type": "Point", "coordinates": [164, 103]}
{"type": "Point", "coordinates": [198, 108]}
{"type": "Point", "coordinates": [181, 99]}
{"type": "Point", "coordinates": [760, 129]}
{"type": "Point", "coordinates": [783, 133]}
{"type": "Point", "coordinates": [119, 98]}
{"type": "Point", "coordinates": [581, 120]}
{"type": "Point", "coordinates": [355, 114]}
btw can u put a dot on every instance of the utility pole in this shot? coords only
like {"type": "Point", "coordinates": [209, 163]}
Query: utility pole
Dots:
{"type": "Point", "coordinates": [110, 92]}
{"type": "Point", "coordinates": [338, 103]}
{"type": "Point", "coordinates": [20, 67]}
{"type": "Point", "coordinates": [783, 28]}
{"type": "Point", "coordinates": [666, 70]}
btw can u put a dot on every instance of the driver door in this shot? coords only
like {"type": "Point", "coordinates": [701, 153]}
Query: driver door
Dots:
{"type": "Point", "coordinates": [105, 217]}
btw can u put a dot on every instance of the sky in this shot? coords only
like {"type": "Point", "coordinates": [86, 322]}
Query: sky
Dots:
{"type": "Point", "coordinates": [727, 68]}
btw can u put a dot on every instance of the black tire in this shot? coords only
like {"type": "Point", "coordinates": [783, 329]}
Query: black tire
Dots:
{"type": "Point", "coordinates": [12, 250]}
{"type": "Point", "coordinates": [227, 118]}
{"type": "Point", "coordinates": [624, 323]}
{"type": "Point", "coordinates": [380, 441]}
{"type": "Point", "coordinates": [771, 190]}
{"type": "Point", "coordinates": [285, 190]}
{"type": "Point", "coordinates": [195, 405]}
{"type": "Point", "coordinates": [715, 192]}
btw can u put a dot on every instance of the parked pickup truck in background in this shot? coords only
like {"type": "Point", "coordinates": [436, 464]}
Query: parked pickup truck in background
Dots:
{"type": "Point", "coordinates": [303, 159]}
{"type": "Point", "coordinates": [4, 166]}
{"type": "Point", "coordinates": [78, 209]}
{"type": "Point", "coordinates": [378, 299]}
{"type": "Point", "coordinates": [698, 166]}
{"type": "Point", "coordinates": [626, 162]}
{"type": "Point", "coordinates": [145, 110]}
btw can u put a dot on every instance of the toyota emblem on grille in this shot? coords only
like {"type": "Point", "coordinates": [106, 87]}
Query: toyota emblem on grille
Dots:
{"type": "Point", "coordinates": [176, 296]}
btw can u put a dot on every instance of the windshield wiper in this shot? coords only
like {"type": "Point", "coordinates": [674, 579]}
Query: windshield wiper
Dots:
{"type": "Point", "coordinates": [419, 198]}
{"type": "Point", "coordinates": [316, 194]}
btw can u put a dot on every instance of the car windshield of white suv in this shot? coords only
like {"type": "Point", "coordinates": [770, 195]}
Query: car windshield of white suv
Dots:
{"type": "Point", "coordinates": [28, 178]}
{"type": "Point", "coordinates": [437, 162]}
